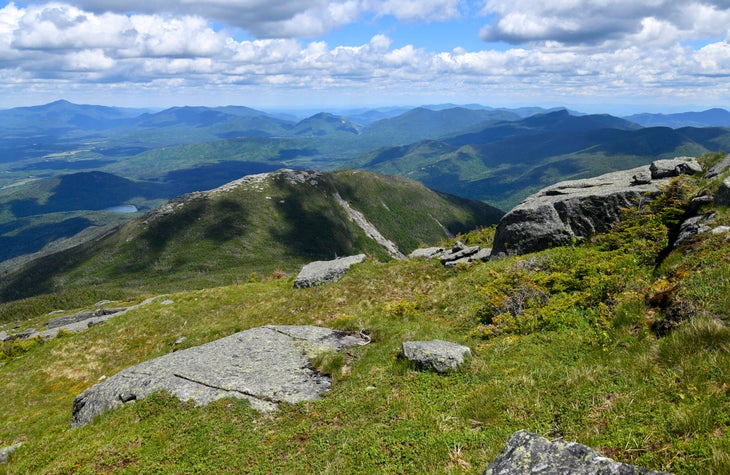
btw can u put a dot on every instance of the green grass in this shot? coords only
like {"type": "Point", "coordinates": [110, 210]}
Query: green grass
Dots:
{"type": "Point", "coordinates": [582, 363]}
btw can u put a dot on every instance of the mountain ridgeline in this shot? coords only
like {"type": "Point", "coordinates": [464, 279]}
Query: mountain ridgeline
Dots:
{"type": "Point", "coordinates": [259, 224]}
{"type": "Point", "coordinates": [63, 165]}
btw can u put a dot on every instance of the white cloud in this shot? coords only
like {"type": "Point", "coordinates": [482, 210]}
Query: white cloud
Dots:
{"type": "Point", "coordinates": [282, 18]}
{"type": "Point", "coordinates": [569, 48]}
{"type": "Point", "coordinates": [594, 22]}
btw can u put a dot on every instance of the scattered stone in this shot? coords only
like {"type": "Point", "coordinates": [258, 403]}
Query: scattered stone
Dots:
{"type": "Point", "coordinates": [691, 227]}
{"type": "Point", "coordinates": [324, 272]}
{"type": "Point", "coordinates": [722, 197]}
{"type": "Point", "coordinates": [641, 178]}
{"type": "Point", "coordinates": [459, 251]}
{"type": "Point", "coordinates": [427, 253]}
{"type": "Point", "coordinates": [459, 254]}
{"type": "Point", "coordinates": [102, 303]}
{"type": "Point", "coordinates": [80, 317]}
{"type": "Point", "coordinates": [482, 254]}
{"type": "Point", "coordinates": [167, 302]}
{"type": "Point", "coordinates": [3, 335]}
{"type": "Point", "coordinates": [721, 230]}
{"type": "Point", "coordinates": [719, 168]}
{"type": "Point", "coordinates": [438, 355]}
{"type": "Point", "coordinates": [530, 454]}
{"type": "Point", "coordinates": [265, 365]}
{"type": "Point", "coordinates": [674, 167]}
{"type": "Point", "coordinates": [24, 335]}
{"type": "Point", "coordinates": [6, 451]}
{"type": "Point", "coordinates": [180, 341]}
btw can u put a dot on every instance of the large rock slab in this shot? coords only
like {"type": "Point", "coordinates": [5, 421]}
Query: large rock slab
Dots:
{"type": "Point", "coordinates": [265, 365]}
{"type": "Point", "coordinates": [438, 355]}
{"type": "Point", "coordinates": [324, 272]}
{"type": "Point", "coordinates": [531, 454]}
{"type": "Point", "coordinates": [570, 210]}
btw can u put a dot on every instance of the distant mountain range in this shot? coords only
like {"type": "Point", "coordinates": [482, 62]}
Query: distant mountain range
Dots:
{"type": "Point", "coordinates": [506, 161]}
{"type": "Point", "coordinates": [709, 118]}
{"type": "Point", "coordinates": [62, 164]}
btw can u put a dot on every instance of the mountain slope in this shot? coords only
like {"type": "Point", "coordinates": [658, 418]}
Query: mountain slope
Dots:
{"type": "Point", "coordinates": [257, 224]}
{"type": "Point", "coordinates": [505, 162]}
{"type": "Point", "coordinates": [421, 123]}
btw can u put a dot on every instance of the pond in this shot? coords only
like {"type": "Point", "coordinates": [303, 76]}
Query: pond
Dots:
{"type": "Point", "coordinates": [123, 209]}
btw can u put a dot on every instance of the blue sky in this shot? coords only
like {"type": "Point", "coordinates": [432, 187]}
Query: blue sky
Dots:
{"type": "Point", "coordinates": [617, 56]}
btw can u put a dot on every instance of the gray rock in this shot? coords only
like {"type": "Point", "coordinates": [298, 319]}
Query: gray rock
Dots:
{"type": "Point", "coordinates": [6, 451]}
{"type": "Point", "coordinates": [79, 317]}
{"type": "Point", "coordinates": [720, 230]}
{"type": "Point", "coordinates": [459, 253]}
{"type": "Point", "coordinates": [3, 335]}
{"type": "Point", "coordinates": [264, 365]}
{"type": "Point", "coordinates": [438, 355]}
{"type": "Point", "coordinates": [691, 227]}
{"type": "Point", "coordinates": [722, 197]}
{"type": "Point", "coordinates": [719, 168]}
{"type": "Point", "coordinates": [571, 210]}
{"type": "Point", "coordinates": [530, 454]}
{"type": "Point", "coordinates": [482, 254]}
{"type": "Point", "coordinates": [23, 335]}
{"type": "Point", "coordinates": [324, 272]}
{"type": "Point", "coordinates": [674, 167]}
{"type": "Point", "coordinates": [427, 253]}
{"type": "Point", "coordinates": [642, 178]}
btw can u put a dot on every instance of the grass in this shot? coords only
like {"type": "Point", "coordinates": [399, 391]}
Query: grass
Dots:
{"type": "Point", "coordinates": [585, 366]}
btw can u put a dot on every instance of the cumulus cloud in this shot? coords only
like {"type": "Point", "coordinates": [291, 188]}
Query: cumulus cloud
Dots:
{"type": "Point", "coordinates": [594, 22]}
{"type": "Point", "coordinates": [282, 18]}
{"type": "Point", "coordinates": [567, 48]}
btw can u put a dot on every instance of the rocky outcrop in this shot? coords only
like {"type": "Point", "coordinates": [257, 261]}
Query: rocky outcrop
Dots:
{"type": "Point", "coordinates": [459, 254]}
{"type": "Point", "coordinates": [370, 230]}
{"type": "Point", "coordinates": [572, 210]}
{"type": "Point", "coordinates": [530, 454]}
{"type": "Point", "coordinates": [265, 365]}
{"type": "Point", "coordinates": [72, 323]}
{"type": "Point", "coordinates": [324, 272]}
{"type": "Point", "coordinates": [437, 355]}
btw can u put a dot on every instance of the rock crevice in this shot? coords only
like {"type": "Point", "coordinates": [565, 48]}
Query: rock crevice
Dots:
{"type": "Point", "coordinates": [265, 365]}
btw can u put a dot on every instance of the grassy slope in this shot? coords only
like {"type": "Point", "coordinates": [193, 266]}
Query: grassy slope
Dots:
{"type": "Point", "coordinates": [583, 365]}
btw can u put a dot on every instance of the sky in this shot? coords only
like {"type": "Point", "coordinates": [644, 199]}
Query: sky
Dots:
{"type": "Point", "coordinates": [615, 56]}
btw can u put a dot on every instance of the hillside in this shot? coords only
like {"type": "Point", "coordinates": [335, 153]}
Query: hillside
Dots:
{"type": "Point", "coordinates": [258, 224]}
{"type": "Point", "coordinates": [619, 342]}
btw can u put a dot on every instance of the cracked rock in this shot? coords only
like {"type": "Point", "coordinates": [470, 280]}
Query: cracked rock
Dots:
{"type": "Point", "coordinates": [264, 365]}
{"type": "Point", "coordinates": [529, 454]}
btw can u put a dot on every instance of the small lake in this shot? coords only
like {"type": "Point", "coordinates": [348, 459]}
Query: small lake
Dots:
{"type": "Point", "coordinates": [123, 209]}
